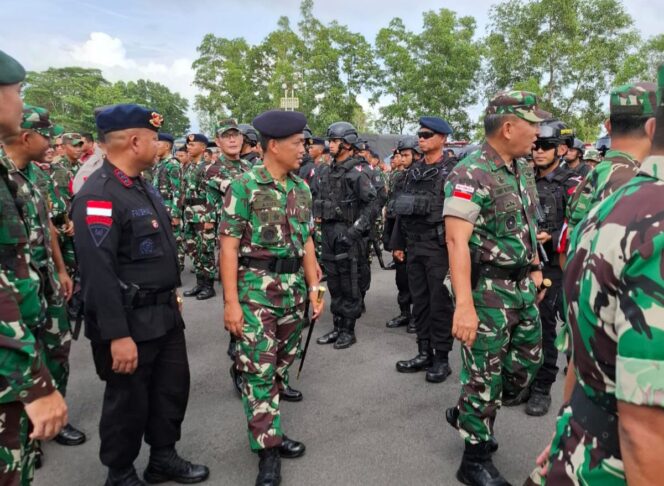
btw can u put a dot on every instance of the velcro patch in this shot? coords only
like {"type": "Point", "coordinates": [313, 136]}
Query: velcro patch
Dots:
{"type": "Point", "coordinates": [463, 191]}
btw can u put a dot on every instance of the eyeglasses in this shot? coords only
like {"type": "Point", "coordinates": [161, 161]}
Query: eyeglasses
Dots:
{"type": "Point", "coordinates": [544, 145]}
{"type": "Point", "coordinates": [425, 135]}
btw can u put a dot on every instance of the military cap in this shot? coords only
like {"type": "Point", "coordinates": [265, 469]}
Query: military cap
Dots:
{"type": "Point", "coordinates": [198, 137]}
{"type": "Point", "coordinates": [74, 139]}
{"type": "Point", "coordinates": [166, 137]}
{"type": "Point", "coordinates": [435, 124]}
{"type": "Point", "coordinates": [636, 99]}
{"type": "Point", "coordinates": [57, 130]}
{"type": "Point", "coordinates": [226, 125]}
{"type": "Point", "coordinates": [317, 141]}
{"type": "Point", "coordinates": [279, 124]}
{"type": "Point", "coordinates": [11, 71]}
{"type": "Point", "coordinates": [522, 104]}
{"type": "Point", "coordinates": [592, 154]}
{"type": "Point", "coordinates": [37, 119]}
{"type": "Point", "coordinates": [126, 116]}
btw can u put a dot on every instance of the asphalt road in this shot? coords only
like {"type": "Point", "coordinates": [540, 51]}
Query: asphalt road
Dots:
{"type": "Point", "coordinates": [362, 422]}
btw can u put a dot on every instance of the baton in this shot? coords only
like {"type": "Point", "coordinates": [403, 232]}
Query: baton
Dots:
{"type": "Point", "coordinates": [319, 297]}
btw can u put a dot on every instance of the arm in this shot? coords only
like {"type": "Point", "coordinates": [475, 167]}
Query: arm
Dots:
{"type": "Point", "coordinates": [366, 195]}
{"type": "Point", "coordinates": [228, 261]}
{"type": "Point", "coordinates": [65, 279]}
{"type": "Point", "coordinates": [641, 442]}
{"type": "Point", "coordinates": [311, 276]}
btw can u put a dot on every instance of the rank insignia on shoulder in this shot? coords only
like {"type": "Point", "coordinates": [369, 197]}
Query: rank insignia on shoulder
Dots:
{"type": "Point", "coordinates": [123, 178]}
{"type": "Point", "coordinates": [98, 217]}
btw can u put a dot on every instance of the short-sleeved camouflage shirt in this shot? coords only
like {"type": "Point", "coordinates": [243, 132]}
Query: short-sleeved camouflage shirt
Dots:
{"type": "Point", "coordinates": [500, 201]}
{"type": "Point", "coordinates": [270, 220]}
{"type": "Point", "coordinates": [613, 288]}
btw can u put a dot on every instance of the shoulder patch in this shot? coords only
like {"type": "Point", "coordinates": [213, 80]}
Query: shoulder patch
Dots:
{"type": "Point", "coordinates": [98, 217]}
{"type": "Point", "coordinates": [463, 191]}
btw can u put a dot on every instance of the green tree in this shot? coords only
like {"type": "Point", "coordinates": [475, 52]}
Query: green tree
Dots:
{"type": "Point", "coordinates": [570, 52]}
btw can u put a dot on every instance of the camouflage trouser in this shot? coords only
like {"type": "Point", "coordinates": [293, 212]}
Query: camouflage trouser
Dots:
{"type": "Point", "coordinates": [180, 240]}
{"type": "Point", "coordinates": [189, 236]}
{"type": "Point", "coordinates": [266, 350]}
{"type": "Point", "coordinates": [318, 240]}
{"type": "Point", "coordinates": [16, 457]}
{"type": "Point", "coordinates": [66, 244]}
{"type": "Point", "coordinates": [55, 342]}
{"type": "Point", "coordinates": [206, 244]}
{"type": "Point", "coordinates": [377, 236]}
{"type": "Point", "coordinates": [576, 457]}
{"type": "Point", "coordinates": [504, 359]}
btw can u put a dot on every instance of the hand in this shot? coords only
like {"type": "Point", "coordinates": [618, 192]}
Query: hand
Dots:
{"type": "Point", "coordinates": [543, 237]}
{"type": "Point", "coordinates": [178, 299]}
{"type": "Point", "coordinates": [464, 324]}
{"type": "Point", "coordinates": [208, 226]}
{"type": "Point", "coordinates": [176, 221]}
{"type": "Point", "coordinates": [125, 355]}
{"type": "Point", "coordinates": [67, 284]}
{"type": "Point", "coordinates": [68, 229]}
{"type": "Point", "coordinates": [398, 255]}
{"type": "Point", "coordinates": [316, 305]}
{"type": "Point", "coordinates": [233, 318]}
{"type": "Point", "coordinates": [48, 415]}
{"type": "Point", "coordinates": [319, 272]}
{"type": "Point", "coordinates": [543, 460]}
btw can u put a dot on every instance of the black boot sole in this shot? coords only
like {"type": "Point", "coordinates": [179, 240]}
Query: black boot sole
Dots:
{"type": "Point", "coordinates": [323, 343]}
{"type": "Point", "coordinates": [156, 478]}
{"type": "Point", "coordinates": [411, 370]}
{"type": "Point", "coordinates": [437, 378]}
{"type": "Point", "coordinates": [464, 480]}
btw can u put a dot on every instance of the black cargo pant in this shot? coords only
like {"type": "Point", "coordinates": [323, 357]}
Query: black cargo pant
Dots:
{"type": "Point", "coordinates": [151, 402]}
{"type": "Point", "coordinates": [403, 290]}
{"type": "Point", "coordinates": [550, 314]}
{"type": "Point", "coordinates": [432, 304]}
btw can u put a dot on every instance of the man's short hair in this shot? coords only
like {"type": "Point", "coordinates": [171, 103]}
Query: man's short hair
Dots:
{"type": "Point", "coordinates": [88, 137]}
{"type": "Point", "coordinates": [628, 126]}
{"type": "Point", "coordinates": [265, 141]}
{"type": "Point", "coordinates": [493, 123]}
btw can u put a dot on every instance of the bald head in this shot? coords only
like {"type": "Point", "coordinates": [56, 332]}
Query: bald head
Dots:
{"type": "Point", "coordinates": [135, 149]}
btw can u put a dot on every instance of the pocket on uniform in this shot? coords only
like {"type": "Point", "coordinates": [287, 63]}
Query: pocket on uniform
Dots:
{"type": "Point", "coordinates": [146, 239]}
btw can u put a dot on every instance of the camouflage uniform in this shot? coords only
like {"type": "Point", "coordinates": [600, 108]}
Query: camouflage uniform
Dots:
{"type": "Point", "coordinates": [614, 280]}
{"type": "Point", "coordinates": [271, 221]}
{"type": "Point", "coordinates": [194, 208]}
{"type": "Point", "coordinates": [168, 181]}
{"type": "Point", "coordinates": [62, 177]}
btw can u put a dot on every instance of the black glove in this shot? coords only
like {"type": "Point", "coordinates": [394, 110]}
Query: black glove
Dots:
{"type": "Point", "coordinates": [343, 243]}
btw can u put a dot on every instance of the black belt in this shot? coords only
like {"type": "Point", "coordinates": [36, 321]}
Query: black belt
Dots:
{"type": "Point", "coordinates": [513, 274]}
{"type": "Point", "coordinates": [194, 201]}
{"type": "Point", "coordinates": [145, 298]}
{"type": "Point", "coordinates": [600, 422]}
{"type": "Point", "coordinates": [274, 265]}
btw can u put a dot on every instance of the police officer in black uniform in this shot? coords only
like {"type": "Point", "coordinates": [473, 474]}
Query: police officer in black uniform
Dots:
{"type": "Point", "coordinates": [250, 144]}
{"type": "Point", "coordinates": [574, 159]}
{"type": "Point", "coordinates": [420, 231]}
{"type": "Point", "coordinates": [344, 203]}
{"type": "Point", "coordinates": [129, 272]}
{"type": "Point", "coordinates": [409, 150]}
{"type": "Point", "coordinates": [555, 185]}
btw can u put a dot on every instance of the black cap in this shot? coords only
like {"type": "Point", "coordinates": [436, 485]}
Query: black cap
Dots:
{"type": "Point", "coordinates": [279, 124]}
{"type": "Point", "coordinates": [11, 71]}
{"type": "Point", "coordinates": [125, 116]}
{"type": "Point", "coordinates": [317, 141]}
{"type": "Point", "coordinates": [436, 124]}
{"type": "Point", "coordinates": [166, 137]}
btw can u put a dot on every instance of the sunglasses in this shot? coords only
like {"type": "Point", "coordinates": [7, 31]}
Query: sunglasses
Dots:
{"type": "Point", "coordinates": [425, 135]}
{"type": "Point", "coordinates": [544, 145]}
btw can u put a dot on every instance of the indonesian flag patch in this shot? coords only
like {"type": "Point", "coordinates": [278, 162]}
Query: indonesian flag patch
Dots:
{"type": "Point", "coordinates": [99, 218]}
{"type": "Point", "coordinates": [463, 191]}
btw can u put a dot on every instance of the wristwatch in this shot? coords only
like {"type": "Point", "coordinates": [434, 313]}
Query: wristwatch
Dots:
{"type": "Point", "coordinates": [313, 288]}
{"type": "Point", "coordinates": [536, 267]}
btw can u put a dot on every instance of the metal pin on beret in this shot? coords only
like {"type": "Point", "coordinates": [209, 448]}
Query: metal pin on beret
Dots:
{"type": "Point", "coordinates": [435, 124]}
{"type": "Point", "coordinates": [166, 137]}
{"type": "Point", "coordinates": [279, 124]}
{"type": "Point", "coordinates": [126, 116]}
{"type": "Point", "coordinates": [11, 71]}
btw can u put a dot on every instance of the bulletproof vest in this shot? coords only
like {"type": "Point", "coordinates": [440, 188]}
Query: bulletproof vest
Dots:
{"type": "Point", "coordinates": [398, 186]}
{"type": "Point", "coordinates": [423, 194]}
{"type": "Point", "coordinates": [336, 199]}
{"type": "Point", "coordinates": [552, 200]}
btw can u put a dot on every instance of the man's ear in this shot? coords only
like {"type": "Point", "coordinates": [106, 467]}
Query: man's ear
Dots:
{"type": "Point", "coordinates": [650, 127]}
{"type": "Point", "coordinates": [607, 125]}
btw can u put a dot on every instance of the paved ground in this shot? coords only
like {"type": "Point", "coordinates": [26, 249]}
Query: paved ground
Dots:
{"type": "Point", "coordinates": [362, 422]}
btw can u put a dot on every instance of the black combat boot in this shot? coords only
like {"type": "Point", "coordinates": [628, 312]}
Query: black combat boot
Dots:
{"type": "Point", "coordinates": [70, 436]}
{"type": "Point", "coordinates": [269, 467]}
{"type": "Point", "coordinates": [346, 335]}
{"type": "Point", "coordinates": [196, 289]}
{"type": "Point", "coordinates": [123, 477]}
{"type": "Point", "coordinates": [401, 320]}
{"type": "Point", "coordinates": [512, 400]}
{"type": "Point", "coordinates": [440, 367]}
{"type": "Point", "coordinates": [411, 329]}
{"type": "Point", "coordinates": [420, 362]}
{"type": "Point", "coordinates": [166, 465]}
{"type": "Point", "coordinates": [452, 417]}
{"type": "Point", "coordinates": [290, 449]}
{"type": "Point", "coordinates": [289, 394]}
{"type": "Point", "coordinates": [539, 401]}
{"type": "Point", "coordinates": [333, 335]}
{"type": "Point", "coordinates": [208, 290]}
{"type": "Point", "coordinates": [477, 468]}
{"type": "Point", "coordinates": [236, 378]}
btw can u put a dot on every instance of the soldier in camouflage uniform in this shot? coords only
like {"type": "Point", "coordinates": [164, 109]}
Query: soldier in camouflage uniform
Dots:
{"type": "Point", "coordinates": [268, 260]}
{"type": "Point", "coordinates": [194, 205]}
{"type": "Point", "coordinates": [28, 397]}
{"type": "Point", "coordinates": [592, 157]}
{"type": "Point", "coordinates": [490, 212]}
{"type": "Point", "coordinates": [168, 181]}
{"type": "Point", "coordinates": [73, 147]}
{"type": "Point", "coordinates": [609, 430]}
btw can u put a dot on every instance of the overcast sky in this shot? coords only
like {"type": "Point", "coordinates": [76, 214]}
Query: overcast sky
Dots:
{"type": "Point", "coordinates": [157, 39]}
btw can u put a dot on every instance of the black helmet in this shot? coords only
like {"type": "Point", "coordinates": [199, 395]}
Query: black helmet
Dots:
{"type": "Point", "coordinates": [409, 142]}
{"type": "Point", "coordinates": [344, 131]}
{"type": "Point", "coordinates": [579, 145]}
{"type": "Point", "coordinates": [361, 144]}
{"type": "Point", "coordinates": [603, 144]}
{"type": "Point", "coordinates": [555, 129]}
{"type": "Point", "coordinates": [308, 135]}
{"type": "Point", "coordinates": [249, 133]}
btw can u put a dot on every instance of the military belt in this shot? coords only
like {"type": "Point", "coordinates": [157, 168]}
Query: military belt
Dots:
{"type": "Point", "coordinates": [274, 265]}
{"type": "Point", "coordinates": [513, 274]}
{"type": "Point", "coordinates": [194, 201]}
{"type": "Point", "coordinates": [146, 298]}
{"type": "Point", "coordinates": [599, 421]}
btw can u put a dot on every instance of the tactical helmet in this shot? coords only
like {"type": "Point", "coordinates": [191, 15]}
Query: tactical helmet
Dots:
{"type": "Point", "coordinates": [249, 133]}
{"type": "Point", "coordinates": [308, 135]}
{"type": "Point", "coordinates": [409, 142]}
{"type": "Point", "coordinates": [555, 129]}
{"type": "Point", "coordinates": [603, 144]}
{"type": "Point", "coordinates": [344, 131]}
{"type": "Point", "coordinates": [361, 144]}
{"type": "Point", "coordinates": [579, 145]}
{"type": "Point", "coordinates": [592, 154]}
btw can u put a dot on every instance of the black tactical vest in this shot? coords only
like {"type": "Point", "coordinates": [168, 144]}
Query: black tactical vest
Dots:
{"type": "Point", "coordinates": [336, 199]}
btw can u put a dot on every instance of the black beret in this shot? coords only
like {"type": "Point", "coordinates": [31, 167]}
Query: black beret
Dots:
{"type": "Point", "coordinates": [198, 137]}
{"type": "Point", "coordinates": [279, 124]}
{"type": "Point", "coordinates": [123, 117]}
{"type": "Point", "coordinates": [11, 71]}
{"type": "Point", "coordinates": [166, 137]}
{"type": "Point", "coordinates": [317, 141]}
{"type": "Point", "coordinates": [436, 124]}
{"type": "Point", "coordinates": [182, 148]}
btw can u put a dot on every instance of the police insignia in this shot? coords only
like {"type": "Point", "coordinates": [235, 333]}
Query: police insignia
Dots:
{"type": "Point", "coordinates": [156, 120]}
{"type": "Point", "coordinates": [98, 216]}
{"type": "Point", "coordinates": [123, 178]}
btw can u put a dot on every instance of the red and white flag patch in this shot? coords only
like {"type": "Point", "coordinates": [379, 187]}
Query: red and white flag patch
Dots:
{"type": "Point", "coordinates": [463, 191]}
{"type": "Point", "coordinates": [99, 218]}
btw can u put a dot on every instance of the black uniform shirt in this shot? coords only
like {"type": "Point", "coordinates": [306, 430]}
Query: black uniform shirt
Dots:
{"type": "Point", "coordinates": [123, 236]}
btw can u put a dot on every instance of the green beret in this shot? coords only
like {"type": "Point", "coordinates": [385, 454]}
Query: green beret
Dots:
{"type": "Point", "coordinates": [11, 72]}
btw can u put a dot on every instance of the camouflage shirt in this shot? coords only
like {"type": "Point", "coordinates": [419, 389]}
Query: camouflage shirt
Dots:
{"type": "Point", "coordinates": [167, 178]}
{"type": "Point", "coordinates": [63, 177]}
{"type": "Point", "coordinates": [613, 172]}
{"type": "Point", "coordinates": [500, 201]}
{"type": "Point", "coordinates": [613, 288]}
{"type": "Point", "coordinates": [57, 202]}
{"type": "Point", "coordinates": [270, 220]}
{"type": "Point", "coordinates": [216, 179]}
{"type": "Point", "coordinates": [193, 200]}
